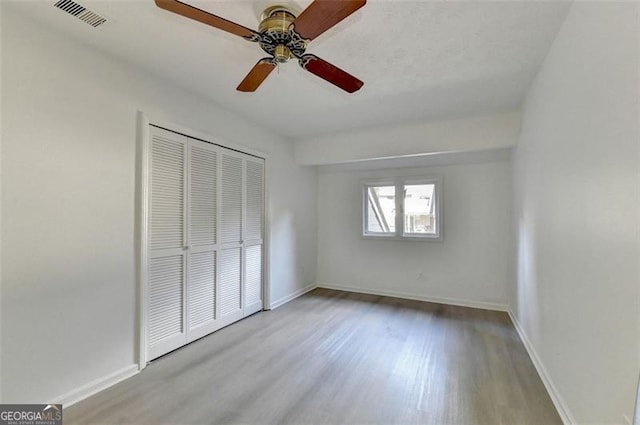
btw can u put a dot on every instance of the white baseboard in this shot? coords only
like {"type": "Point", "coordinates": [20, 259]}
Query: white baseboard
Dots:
{"type": "Point", "coordinates": [292, 296]}
{"type": "Point", "coordinates": [97, 385]}
{"type": "Point", "coordinates": [561, 406]}
{"type": "Point", "coordinates": [439, 300]}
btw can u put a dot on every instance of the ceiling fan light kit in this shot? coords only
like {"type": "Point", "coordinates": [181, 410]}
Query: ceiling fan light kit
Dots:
{"type": "Point", "coordinates": [283, 35]}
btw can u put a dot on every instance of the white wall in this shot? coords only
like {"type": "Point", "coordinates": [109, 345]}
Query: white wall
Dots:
{"type": "Point", "coordinates": [469, 266]}
{"type": "Point", "coordinates": [1, 377]}
{"type": "Point", "coordinates": [472, 134]}
{"type": "Point", "coordinates": [576, 214]}
{"type": "Point", "coordinates": [293, 224]}
{"type": "Point", "coordinates": [68, 211]}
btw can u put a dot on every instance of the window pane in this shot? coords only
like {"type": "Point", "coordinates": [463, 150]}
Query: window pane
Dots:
{"type": "Point", "coordinates": [381, 209]}
{"type": "Point", "coordinates": [419, 209]}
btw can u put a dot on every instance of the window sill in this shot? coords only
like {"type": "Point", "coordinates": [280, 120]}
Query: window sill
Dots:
{"type": "Point", "coordinates": [431, 238]}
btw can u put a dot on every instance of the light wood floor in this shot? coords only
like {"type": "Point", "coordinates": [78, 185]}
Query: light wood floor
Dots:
{"type": "Point", "coordinates": [334, 357]}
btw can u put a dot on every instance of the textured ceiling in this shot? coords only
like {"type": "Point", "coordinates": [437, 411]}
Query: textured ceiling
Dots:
{"type": "Point", "coordinates": [419, 60]}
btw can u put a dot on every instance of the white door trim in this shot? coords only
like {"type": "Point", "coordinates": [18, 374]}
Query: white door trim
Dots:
{"type": "Point", "coordinates": [143, 158]}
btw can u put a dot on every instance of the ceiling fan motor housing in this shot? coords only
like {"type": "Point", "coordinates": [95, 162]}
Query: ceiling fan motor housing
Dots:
{"type": "Point", "coordinates": [276, 37]}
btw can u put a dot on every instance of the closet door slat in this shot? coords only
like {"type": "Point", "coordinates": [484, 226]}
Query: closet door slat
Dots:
{"type": "Point", "coordinates": [203, 196]}
{"type": "Point", "coordinates": [230, 289]}
{"type": "Point", "coordinates": [231, 191]}
{"type": "Point", "coordinates": [253, 274]}
{"type": "Point", "coordinates": [167, 193]}
{"type": "Point", "coordinates": [165, 296]}
{"type": "Point", "coordinates": [254, 200]}
{"type": "Point", "coordinates": [202, 289]}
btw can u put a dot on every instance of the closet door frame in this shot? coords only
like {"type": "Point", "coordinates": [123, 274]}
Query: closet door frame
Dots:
{"type": "Point", "coordinates": [142, 211]}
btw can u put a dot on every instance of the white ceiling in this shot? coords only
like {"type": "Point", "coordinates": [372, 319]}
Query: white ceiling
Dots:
{"type": "Point", "coordinates": [420, 60]}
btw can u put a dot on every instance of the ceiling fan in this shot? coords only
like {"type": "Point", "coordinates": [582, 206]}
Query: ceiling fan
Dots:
{"type": "Point", "coordinates": [283, 35]}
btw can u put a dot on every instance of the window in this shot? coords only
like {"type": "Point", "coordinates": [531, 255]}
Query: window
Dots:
{"type": "Point", "coordinates": [381, 210]}
{"type": "Point", "coordinates": [402, 208]}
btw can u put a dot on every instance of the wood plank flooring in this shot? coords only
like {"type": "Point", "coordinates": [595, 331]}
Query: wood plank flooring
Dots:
{"type": "Point", "coordinates": [333, 357]}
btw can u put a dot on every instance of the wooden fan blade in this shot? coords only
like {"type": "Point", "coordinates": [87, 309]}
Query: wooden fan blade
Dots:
{"type": "Point", "coordinates": [257, 75]}
{"type": "Point", "coordinates": [200, 15]}
{"type": "Point", "coordinates": [330, 73]}
{"type": "Point", "coordinates": [322, 15]}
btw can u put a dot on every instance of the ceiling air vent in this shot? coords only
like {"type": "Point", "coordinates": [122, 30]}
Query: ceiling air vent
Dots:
{"type": "Point", "coordinates": [81, 12]}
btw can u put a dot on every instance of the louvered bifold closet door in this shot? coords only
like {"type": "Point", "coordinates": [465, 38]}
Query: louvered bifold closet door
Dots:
{"type": "Point", "coordinates": [230, 253]}
{"type": "Point", "coordinates": [205, 245]}
{"type": "Point", "coordinates": [254, 229]}
{"type": "Point", "coordinates": [202, 213]}
{"type": "Point", "coordinates": [166, 273]}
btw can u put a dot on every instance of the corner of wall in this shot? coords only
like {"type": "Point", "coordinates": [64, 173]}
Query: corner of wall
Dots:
{"type": "Point", "coordinates": [292, 296]}
{"type": "Point", "coordinates": [636, 414]}
{"type": "Point", "coordinates": [556, 398]}
{"type": "Point", "coordinates": [1, 321]}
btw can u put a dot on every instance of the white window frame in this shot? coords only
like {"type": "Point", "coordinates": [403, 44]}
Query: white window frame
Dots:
{"type": "Point", "coordinates": [399, 184]}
